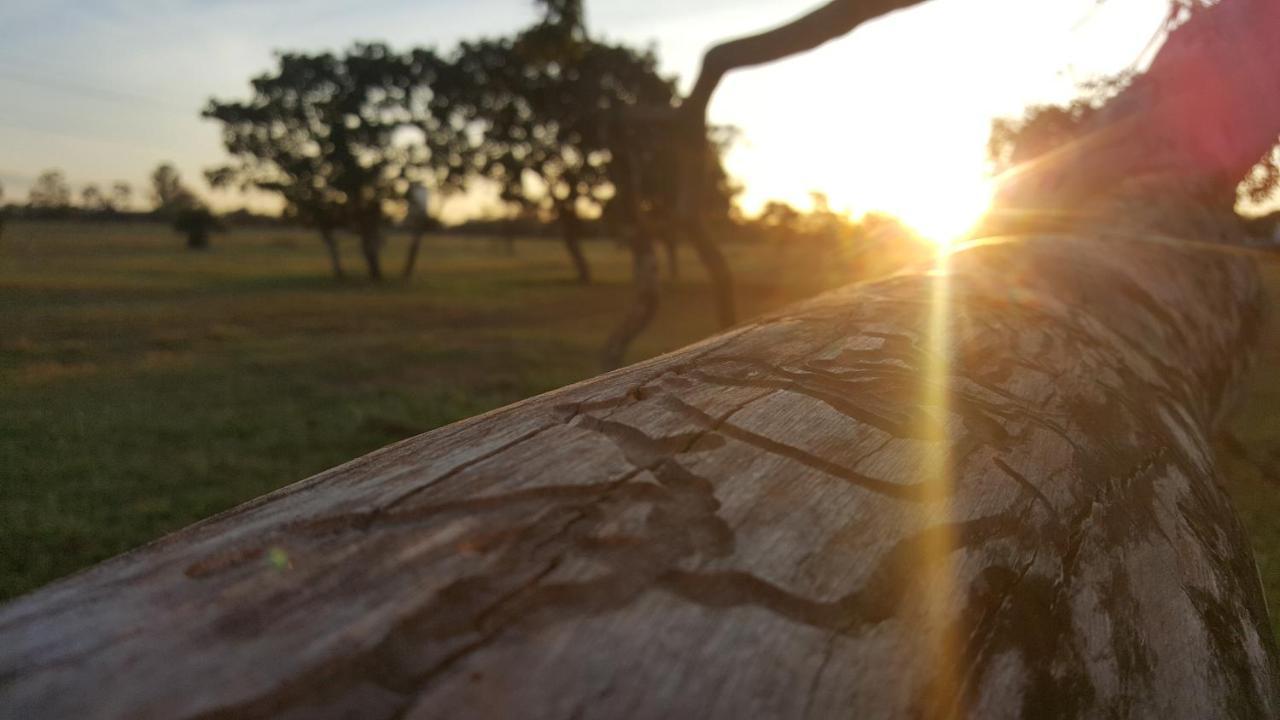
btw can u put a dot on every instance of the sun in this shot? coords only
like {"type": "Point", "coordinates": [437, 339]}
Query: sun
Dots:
{"type": "Point", "coordinates": [946, 213]}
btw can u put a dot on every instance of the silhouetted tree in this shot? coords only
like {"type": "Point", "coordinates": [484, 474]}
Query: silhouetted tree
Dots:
{"type": "Point", "coordinates": [545, 100]}
{"type": "Point", "coordinates": [658, 161]}
{"type": "Point", "coordinates": [50, 192]}
{"type": "Point", "coordinates": [197, 222]}
{"type": "Point", "coordinates": [121, 195]}
{"type": "Point", "coordinates": [339, 138]}
{"type": "Point", "coordinates": [1042, 129]}
{"type": "Point", "coordinates": [168, 193]}
{"type": "Point", "coordinates": [567, 16]}
{"type": "Point", "coordinates": [780, 219]}
{"type": "Point", "coordinates": [92, 199]}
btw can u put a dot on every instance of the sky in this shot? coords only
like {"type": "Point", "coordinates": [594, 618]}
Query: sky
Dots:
{"type": "Point", "coordinates": [887, 118]}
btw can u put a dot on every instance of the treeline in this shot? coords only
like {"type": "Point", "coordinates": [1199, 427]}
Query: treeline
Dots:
{"type": "Point", "coordinates": [576, 133]}
{"type": "Point", "coordinates": [545, 115]}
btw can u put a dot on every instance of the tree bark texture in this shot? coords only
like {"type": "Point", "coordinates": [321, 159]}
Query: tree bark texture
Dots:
{"type": "Point", "coordinates": [745, 528]}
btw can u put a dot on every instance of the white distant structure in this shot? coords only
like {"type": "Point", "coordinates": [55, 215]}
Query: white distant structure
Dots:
{"type": "Point", "coordinates": [417, 222]}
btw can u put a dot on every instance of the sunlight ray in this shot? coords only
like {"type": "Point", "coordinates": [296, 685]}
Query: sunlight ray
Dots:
{"type": "Point", "coordinates": [941, 544]}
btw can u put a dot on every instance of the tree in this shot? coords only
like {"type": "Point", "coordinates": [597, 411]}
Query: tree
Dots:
{"type": "Point", "coordinates": [545, 101]}
{"type": "Point", "coordinates": [51, 192]}
{"type": "Point", "coordinates": [121, 196]}
{"type": "Point", "coordinates": [168, 193]}
{"type": "Point", "coordinates": [1042, 129]}
{"type": "Point", "coordinates": [92, 199]}
{"type": "Point", "coordinates": [340, 137]}
{"type": "Point", "coordinates": [196, 222]}
{"type": "Point", "coordinates": [659, 160]}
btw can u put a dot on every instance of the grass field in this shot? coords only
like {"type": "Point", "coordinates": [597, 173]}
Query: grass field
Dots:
{"type": "Point", "coordinates": [143, 387]}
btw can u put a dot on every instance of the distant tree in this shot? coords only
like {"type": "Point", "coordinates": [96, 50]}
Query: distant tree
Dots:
{"type": "Point", "coordinates": [121, 195]}
{"type": "Point", "coordinates": [658, 159]}
{"type": "Point", "coordinates": [545, 101]}
{"type": "Point", "coordinates": [197, 222]}
{"type": "Point", "coordinates": [1042, 129]}
{"type": "Point", "coordinates": [779, 219]}
{"type": "Point", "coordinates": [51, 192]}
{"type": "Point", "coordinates": [92, 199]}
{"type": "Point", "coordinates": [340, 137]}
{"type": "Point", "coordinates": [566, 15]}
{"type": "Point", "coordinates": [168, 194]}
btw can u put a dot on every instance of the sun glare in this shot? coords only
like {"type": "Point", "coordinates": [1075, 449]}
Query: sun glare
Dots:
{"type": "Point", "coordinates": [947, 215]}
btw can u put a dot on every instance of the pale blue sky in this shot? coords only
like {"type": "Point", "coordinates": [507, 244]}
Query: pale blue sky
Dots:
{"type": "Point", "coordinates": [106, 89]}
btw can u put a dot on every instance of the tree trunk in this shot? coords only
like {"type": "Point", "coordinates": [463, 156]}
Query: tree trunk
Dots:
{"type": "Point", "coordinates": [335, 259]}
{"type": "Point", "coordinates": [571, 231]}
{"type": "Point", "coordinates": [673, 256]}
{"type": "Point", "coordinates": [198, 239]}
{"type": "Point", "coordinates": [812, 515]}
{"type": "Point", "coordinates": [371, 248]}
{"type": "Point", "coordinates": [412, 258]}
{"type": "Point", "coordinates": [644, 257]}
{"type": "Point", "coordinates": [644, 305]}
{"type": "Point", "coordinates": [717, 271]}
{"type": "Point", "coordinates": [982, 491]}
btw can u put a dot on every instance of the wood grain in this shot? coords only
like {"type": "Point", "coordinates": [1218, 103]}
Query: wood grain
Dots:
{"type": "Point", "coordinates": [743, 528]}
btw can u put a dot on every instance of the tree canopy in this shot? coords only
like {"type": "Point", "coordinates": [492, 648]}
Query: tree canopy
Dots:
{"type": "Point", "coordinates": [339, 137]}
{"type": "Point", "coordinates": [50, 191]}
{"type": "Point", "coordinates": [546, 104]}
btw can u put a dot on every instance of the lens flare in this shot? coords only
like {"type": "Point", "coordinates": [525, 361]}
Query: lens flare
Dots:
{"type": "Point", "coordinates": [946, 216]}
{"type": "Point", "coordinates": [940, 546]}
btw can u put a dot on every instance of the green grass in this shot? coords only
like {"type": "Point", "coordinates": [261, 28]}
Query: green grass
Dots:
{"type": "Point", "coordinates": [143, 387]}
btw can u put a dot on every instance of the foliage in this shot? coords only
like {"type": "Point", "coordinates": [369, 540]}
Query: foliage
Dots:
{"type": "Point", "coordinates": [92, 199]}
{"type": "Point", "coordinates": [567, 15]}
{"type": "Point", "coordinates": [545, 114]}
{"type": "Point", "coordinates": [121, 194]}
{"type": "Point", "coordinates": [168, 194]}
{"type": "Point", "coordinates": [339, 137]}
{"type": "Point", "coordinates": [50, 191]}
{"type": "Point", "coordinates": [1044, 128]}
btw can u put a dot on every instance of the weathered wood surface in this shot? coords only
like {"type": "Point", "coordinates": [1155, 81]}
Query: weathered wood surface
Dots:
{"type": "Point", "coordinates": [770, 523]}
{"type": "Point", "coordinates": [742, 529]}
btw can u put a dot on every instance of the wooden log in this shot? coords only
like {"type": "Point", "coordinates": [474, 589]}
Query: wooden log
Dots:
{"type": "Point", "coordinates": [985, 492]}
{"type": "Point", "coordinates": [751, 527]}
